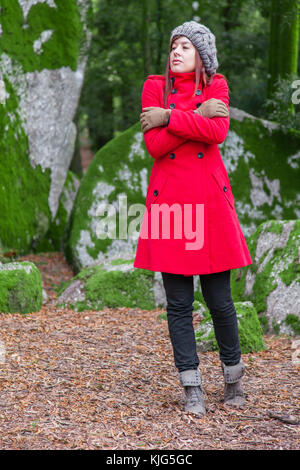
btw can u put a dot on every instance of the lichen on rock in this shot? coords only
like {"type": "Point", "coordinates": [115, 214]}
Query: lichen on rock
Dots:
{"type": "Point", "coordinates": [272, 282]}
{"type": "Point", "coordinates": [263, 166]}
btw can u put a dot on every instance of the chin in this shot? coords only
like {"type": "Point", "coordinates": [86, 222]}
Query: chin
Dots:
{"type": "Point", "coordinates": [177, 68]}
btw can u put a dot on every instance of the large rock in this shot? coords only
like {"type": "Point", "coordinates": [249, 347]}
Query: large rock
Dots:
{"type": "Point", "coordinates": [43, 49]}
{"type": "Point", "coordinates": [250, 331]}
{"type": "Point", "coordinates": [114, 284]}
{"type": "Point", "coordinates": [272, 282]}
{"type": "Point", "coordinates": [20, 287]}
{"type": "Point", "coordinates": [262, 163]}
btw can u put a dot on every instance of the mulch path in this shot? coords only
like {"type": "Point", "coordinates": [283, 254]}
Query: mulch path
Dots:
{"type": "Point", "coordinates": [106, 380]}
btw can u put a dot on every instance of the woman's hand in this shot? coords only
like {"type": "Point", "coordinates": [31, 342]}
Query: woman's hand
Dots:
{"type": "Point", "coordinates": [211, 108]}
{"type": "Point", "coordinates": [154, 117]}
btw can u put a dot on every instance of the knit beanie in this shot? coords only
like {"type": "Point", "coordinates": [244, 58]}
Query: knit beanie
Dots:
{"type": "Point", "coordinates": [203, 40]}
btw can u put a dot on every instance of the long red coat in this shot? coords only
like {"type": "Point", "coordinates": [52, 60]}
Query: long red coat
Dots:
{"type": "Point", "coordinates": [202, 234]}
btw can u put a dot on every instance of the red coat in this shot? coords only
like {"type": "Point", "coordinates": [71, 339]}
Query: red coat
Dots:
{"type": "Point", "coordinates": [204, 233]}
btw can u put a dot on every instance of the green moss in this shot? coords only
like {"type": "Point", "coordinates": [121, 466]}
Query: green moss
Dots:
{"type": "Point", "coordinates": [121, 261]}
{"type": "Point", "coordinates": [53, 238]}
{"type": "Point", "coordinates": [294, 322]}
{"type": "Point", "coordinates": [20, 291]}
{"type": "Point", "coordinates": [163, 316]}
{"type": "Point", "coordinates": [292, 272]}
{"type": "Point", "coordinates": [237, 283]}
{"type": "Point", "coordinates": [63, 47]}
{"type": "Point", "coordinates": [205, 336]}
{"type": "Point", "coordinates": [59, 288]}
{"type": "Point", "coordinates": [115, 289]}
{"type": "Point", "coordinates": [25, 212]}
{"type": "Point", "coordinates": [270, 151]}
{"type": "Point", "coordinates": [265, 282]}
{"type": "Point", "coordinates": [198, 296]}
{"type": "Point", "coordinates": [5, 259]}
{"type": "Point", "coordinates": [275, 327]}
{"type": "Point", "coordinates": [264, 323]}
{"type": "Point", "coordinates": [196, 305]}
{"type": "Point", "coordinates": [275, 226]}
{"type": "Point", "coordinates": [250, 331]}
{"type": "Point", "coordinates": [25, 209]}
{"type": "Point", "coordinates": [238, 276]}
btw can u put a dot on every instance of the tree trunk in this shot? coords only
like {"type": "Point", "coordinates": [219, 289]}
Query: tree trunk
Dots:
{"type": "Point", "coordinates": [230, 14]}
{"type": "Point", "coordinates": [145, 37]}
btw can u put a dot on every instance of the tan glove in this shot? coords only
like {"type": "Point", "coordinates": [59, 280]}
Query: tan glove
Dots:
{"type": "Point", "coordinates": [211, 108]}
{"type": "Point", "coordinates": [154, 117]}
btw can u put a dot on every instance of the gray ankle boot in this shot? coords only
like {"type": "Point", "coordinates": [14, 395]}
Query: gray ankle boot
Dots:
{"type": "Point", "coordinates": [194, 400]}
{"type": "Point", "coordinates": [233, 393]}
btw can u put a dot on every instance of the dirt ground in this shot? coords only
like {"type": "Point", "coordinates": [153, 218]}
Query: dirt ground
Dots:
{"type": "Point", "coordinates": [106, 380]}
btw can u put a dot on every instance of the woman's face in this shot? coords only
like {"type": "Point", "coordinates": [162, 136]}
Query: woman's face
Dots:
{"type": "Point", "coordinates": [182, 55]}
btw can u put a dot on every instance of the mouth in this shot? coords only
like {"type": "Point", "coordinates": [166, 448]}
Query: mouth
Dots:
{"type": "Point", "coordinates": [176, 61]}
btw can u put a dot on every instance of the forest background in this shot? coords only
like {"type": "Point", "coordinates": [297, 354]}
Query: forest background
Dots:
{"type": "Point", "coordinates": [257, 43]}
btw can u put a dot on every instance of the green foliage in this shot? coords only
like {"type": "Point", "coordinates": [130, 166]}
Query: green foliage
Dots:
{"type": "Point", "coordinates": [131, 40]}
{"type": "Point", "coordinates": [18, 34]}
{"type": "Point", "coordinates": [280, 107]}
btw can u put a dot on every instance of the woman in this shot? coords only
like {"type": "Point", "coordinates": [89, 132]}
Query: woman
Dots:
{"type": "Point", "coordinates": [185, 116]}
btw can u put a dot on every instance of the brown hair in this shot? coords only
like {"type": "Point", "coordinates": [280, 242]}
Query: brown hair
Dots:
{"type": "Point", "coordinates": [199, 70]}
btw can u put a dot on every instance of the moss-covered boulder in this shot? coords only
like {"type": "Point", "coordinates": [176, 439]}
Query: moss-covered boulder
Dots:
{"type": "Point", "coordinates": [20, 288]}
{"type": "Point", "coordinates": [272, 282]}
{"type": "Point", "coordinates": [262, 163]}
{"type": "Point", "coordinates": [250, 331]}
{"type": "Point", "coordinates": [114, 284]}
{"type": "Point", "coordinates": [43, 49]}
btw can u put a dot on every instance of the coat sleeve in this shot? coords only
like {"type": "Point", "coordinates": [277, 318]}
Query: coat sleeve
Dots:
{"type": "Point", "coordinates": [188, 125]}
{"type": "Point", "coordinates": [158, 140]}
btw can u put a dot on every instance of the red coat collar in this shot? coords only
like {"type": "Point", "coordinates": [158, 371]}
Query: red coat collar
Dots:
{"type": "Point", "coordinates": [182, 76]}
{"type": "Point", "coordinates": [184, 81]}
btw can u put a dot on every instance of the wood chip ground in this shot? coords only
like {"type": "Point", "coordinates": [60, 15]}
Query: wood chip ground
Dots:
{"type": "Point", "coordinates": [106, 380]}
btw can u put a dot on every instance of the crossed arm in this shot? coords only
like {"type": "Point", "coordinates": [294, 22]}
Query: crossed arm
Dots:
{"type": "Point", "coordinates": [175, 126]}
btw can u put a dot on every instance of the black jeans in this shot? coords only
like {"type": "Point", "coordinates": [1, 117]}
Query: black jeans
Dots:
{"type": "Point", "coordinates": [217, 295]}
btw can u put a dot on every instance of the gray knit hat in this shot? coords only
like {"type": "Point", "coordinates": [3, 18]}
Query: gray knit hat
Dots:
{"type": "Point", "coordinates": [203, 40]}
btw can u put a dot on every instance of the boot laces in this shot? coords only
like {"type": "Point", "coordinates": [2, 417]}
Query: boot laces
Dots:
{"type": "Point", "coordinates": [194, 394]}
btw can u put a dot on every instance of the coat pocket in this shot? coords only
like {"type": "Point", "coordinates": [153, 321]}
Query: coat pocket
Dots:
{"type": "Point", "coordinates": [157, 188]}
{"type": "Point", "coordinates": [223, 183]}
